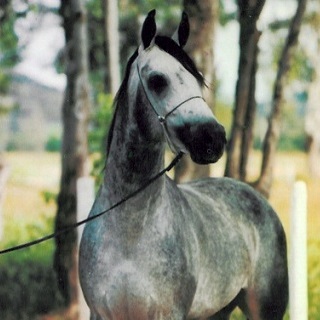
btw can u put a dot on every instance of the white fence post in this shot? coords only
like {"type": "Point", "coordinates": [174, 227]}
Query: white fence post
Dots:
{"type": "Point", "coordinates": [85, 199]}
{"type": "Point", "coordinates": [298, 257]}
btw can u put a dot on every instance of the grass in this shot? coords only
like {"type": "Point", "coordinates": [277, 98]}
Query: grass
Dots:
{"type": "Point", "coordinates": [34, 177]}
{"type": "Point", "coordinates": [28, 284]}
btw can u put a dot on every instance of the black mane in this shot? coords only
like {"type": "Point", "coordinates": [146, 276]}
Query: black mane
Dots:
{"type": "Point", "coordinates": [171, 47]}
{"type": "Point", "coordinates": [168, 45]}
{"type": "Point", "coordinates": [121, 95]}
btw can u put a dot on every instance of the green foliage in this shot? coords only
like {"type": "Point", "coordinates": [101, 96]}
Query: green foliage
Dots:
{"type": "Point", "coordinates": [226, 16]}
{"type": "Point", "coordinates": [8, 51]}
{"type": "Point", "coordinates": [28, 282]}
{"type": "Point", "coordinates": [292, 143]}
{"type": "Point", "coordinates": [49, 196]}
{"type": "Point", "coordinates": [314, 279]}
{"type": "Point", "coordinates": [96, 40]}
{"type": "Point", "coordinates": [4, 82]}
{"type": "Point", "coordinates": [293, 135]}
{"type": "Point", "coordinates": [18, 232]}
{"type": "Point", "coordinates": [28, 288]}
{"type": "Point", "coordinates": [8, 42]}
{"type": "Point", "coordinates": [97, 135]}
{"type": "Point", "coordinates": [94, 7]}
{"type": "Point", "coordinates": [53, 144]}
{"type": "Point", "coordinates": [301, 68]}
{"type": "Point", "coordinates": [9, 105]}
{"type": "Point", "coordinates": [101, 120]}
{"type": "Point", "coordinates": [223, 113]}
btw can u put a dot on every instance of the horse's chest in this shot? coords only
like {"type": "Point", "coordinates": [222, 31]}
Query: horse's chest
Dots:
{"type": "Point", "coordinates": [143, 279]}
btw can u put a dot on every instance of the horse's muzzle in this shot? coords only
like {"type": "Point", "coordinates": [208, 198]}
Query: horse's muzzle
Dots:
{"type": "Point", "coordinates": [204, 141]}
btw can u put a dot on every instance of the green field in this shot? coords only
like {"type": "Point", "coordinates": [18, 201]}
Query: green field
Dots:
{"type": "Point", "coordinates": [27, 285]}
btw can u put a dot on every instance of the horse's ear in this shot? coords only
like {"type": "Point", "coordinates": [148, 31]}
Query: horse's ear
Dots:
{"type": "Point", "coordinates": [182, 33]}
{"type": "Point", "coordinates": [149, 29]}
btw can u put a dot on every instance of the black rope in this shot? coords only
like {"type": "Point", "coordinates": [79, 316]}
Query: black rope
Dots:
{"type": "Point", "coordinates": [77, 224]}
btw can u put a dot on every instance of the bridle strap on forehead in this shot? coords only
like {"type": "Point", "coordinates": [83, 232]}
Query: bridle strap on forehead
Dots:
{"type": "Point", "coordinates": [163, 118]}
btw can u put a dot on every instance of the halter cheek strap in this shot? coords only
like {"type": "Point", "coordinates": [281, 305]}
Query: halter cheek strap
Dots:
{"type": "Point", "coordinates": [163, 118]}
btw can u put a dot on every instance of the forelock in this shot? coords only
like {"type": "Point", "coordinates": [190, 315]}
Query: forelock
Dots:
{"type": "Point", "coordinates": [171, 47]}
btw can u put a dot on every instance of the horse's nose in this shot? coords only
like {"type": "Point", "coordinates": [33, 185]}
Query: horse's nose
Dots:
{"type": "Point", "coordinates": [204, 141]}
{"type": "Point", "coordinates": [208, 142]}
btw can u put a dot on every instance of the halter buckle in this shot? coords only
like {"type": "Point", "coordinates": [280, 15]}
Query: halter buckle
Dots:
{"type": "Point", "coordinates": [162, 119]}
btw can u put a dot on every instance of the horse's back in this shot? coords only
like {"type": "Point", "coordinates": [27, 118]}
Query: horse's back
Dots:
{"type": "Point", "coordinates": [235, 200]}
{"type": "Point", "coordinates": [252, 226]}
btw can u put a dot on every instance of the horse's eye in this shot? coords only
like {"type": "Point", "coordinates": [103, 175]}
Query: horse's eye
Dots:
{"type": "Point", "coordinates": [157, 83]}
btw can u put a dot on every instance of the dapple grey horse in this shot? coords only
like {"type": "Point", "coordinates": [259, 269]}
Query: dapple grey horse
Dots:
{"type": "Point", "coordinates": [190, 251]}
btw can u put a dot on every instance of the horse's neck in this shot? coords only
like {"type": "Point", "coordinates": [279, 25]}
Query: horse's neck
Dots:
{"type": "Point", "coordinates": [133, 157]}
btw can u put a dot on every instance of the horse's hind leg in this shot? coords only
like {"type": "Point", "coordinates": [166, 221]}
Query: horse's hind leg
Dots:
{"type": "Point", "coordinates": [264, 307]}
{"type": "Point", "coordinates": [266, 298]}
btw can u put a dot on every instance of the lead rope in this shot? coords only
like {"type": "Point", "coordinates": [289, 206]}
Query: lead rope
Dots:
{"type": "Point", "coordinates": [89, 219]}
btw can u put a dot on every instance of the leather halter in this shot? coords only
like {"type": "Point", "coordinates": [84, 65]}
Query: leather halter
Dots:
{"type": "Point", "coordinates": [162, 118]}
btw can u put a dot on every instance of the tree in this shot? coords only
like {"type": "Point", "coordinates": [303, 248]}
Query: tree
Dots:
{"type": "Point", "coordinates": [273, 133]}
{"type": "Point", "coordinates": [112, 43]}
{"type": "Point", "coordinates": [8, 58]}
{"type": "Point", "coordinates": [202, 18]}
{"type": "Point", "coordinates": [74, 153]}
{"type": "Point", "coordinates": [245, 104]}
{"type": "Point", "coordinates": [8, 38]}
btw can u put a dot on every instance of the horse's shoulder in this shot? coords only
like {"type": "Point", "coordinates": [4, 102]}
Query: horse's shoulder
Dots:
{"type": "Point", "coordinates": [221, 186]}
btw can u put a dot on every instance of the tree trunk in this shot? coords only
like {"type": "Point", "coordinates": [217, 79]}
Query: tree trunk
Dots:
{"type": "Point", "coordinates": [74, 151]}
{"type": "Point", "coordinates": [247, 137]}
{"type": "Point", "coordinates": [202, 18]}
{"type": "Point", "coordinates": [273, 133]}
{"type": "Point", "coordinates": [245, 104]}
{"type": "Point", "coordinates": [112, 43]}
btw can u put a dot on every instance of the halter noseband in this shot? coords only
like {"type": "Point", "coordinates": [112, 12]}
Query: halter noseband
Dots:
{"type": "Point", "coordinates": [162, 119]}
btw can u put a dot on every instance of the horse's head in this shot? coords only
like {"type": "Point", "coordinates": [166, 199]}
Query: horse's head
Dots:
{"type": "Point", "coordinates": [173, 87]}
